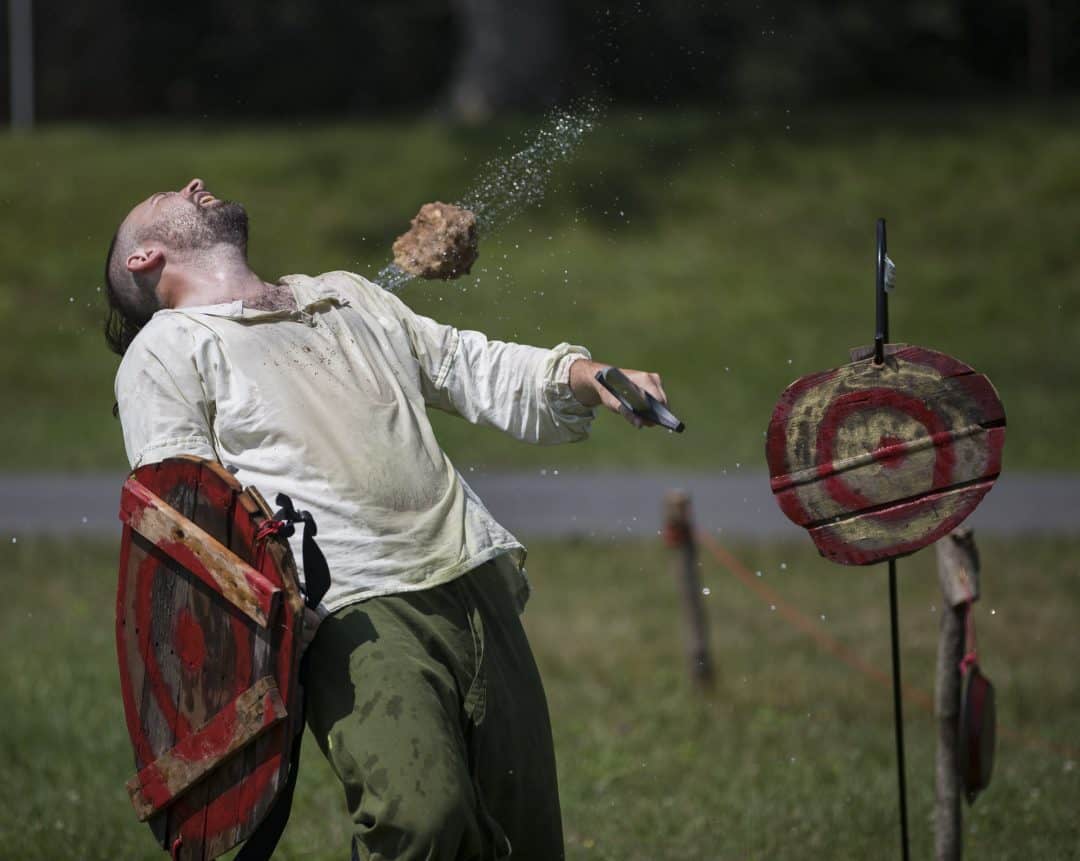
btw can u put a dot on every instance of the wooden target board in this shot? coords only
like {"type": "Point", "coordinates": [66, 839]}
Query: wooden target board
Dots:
{"type": "Point", "coordinates": [207, 620]}
{"type": "Point", "coordinates": [877, 461]}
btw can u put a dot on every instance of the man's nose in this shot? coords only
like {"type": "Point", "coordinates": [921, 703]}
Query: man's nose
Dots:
{"type": "Point", "coordinates": [196, 185]}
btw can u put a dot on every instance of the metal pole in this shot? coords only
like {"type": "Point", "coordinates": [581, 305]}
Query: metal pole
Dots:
{"type": "Point", "coordinates": [881, 330]}
{"type": "Point", "coordinates": [898, 708]}
{"type": "Point", "coordinates": [881, 338]}
{"type": "Point", "coordinates": [21, 44]}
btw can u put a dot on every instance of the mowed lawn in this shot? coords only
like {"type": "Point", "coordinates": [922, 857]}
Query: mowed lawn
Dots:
{"type": "Point", "coordinates": [732, 252]}
{"type": "Point", "coordinates": [791, 757]}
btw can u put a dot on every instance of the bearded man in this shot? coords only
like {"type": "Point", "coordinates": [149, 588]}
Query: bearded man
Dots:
{"type": "Point", "coordinates": [421, 688]}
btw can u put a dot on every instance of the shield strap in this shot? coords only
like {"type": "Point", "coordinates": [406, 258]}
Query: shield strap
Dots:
{"type": "Point", "coordinates": [264, 839]}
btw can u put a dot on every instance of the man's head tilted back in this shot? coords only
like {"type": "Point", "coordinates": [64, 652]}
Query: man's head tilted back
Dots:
{"type": "Point", "coordinates": [170, 235]}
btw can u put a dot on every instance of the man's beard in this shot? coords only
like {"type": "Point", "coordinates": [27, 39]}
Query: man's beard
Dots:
{"type": "Point", "coordinates": [202, 227]}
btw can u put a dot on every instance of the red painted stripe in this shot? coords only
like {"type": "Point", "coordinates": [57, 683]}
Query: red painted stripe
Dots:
{"type": "Point", "coordinates": [164, 697]}
{"type": "Point", "coordinates": [143, 753]}
{"type": "Point", "coordinates": [776, 436]}
{"type": "Point", "coordinates": [136, 498]}
{"type": "Point", "coordinates": [843, 551]}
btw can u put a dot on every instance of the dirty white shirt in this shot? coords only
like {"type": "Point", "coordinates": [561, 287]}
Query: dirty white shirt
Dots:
{"type": "Point", "coordinates": [327, 403]}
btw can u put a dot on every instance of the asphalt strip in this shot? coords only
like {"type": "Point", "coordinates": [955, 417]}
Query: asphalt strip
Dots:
{"type": "Point", "coordinates": [567, 503]}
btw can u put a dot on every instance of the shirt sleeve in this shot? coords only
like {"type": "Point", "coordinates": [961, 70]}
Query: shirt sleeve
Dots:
{"type": "Point", "coordinates": [163, 408]}
{"type": "Point", "coordinates": [521, 390]}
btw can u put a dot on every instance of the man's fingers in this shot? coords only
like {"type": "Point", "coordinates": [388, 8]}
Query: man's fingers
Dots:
{"type": "Point", "coordinates": [610, 401]}
{"type": "Point", "coordinates": [634, 419]}
{"type": "Point", "coordinates": [649, 382]}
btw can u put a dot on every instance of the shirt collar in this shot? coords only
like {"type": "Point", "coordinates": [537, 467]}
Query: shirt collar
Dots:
{"type": "Point", "coordinates": [310, 293]}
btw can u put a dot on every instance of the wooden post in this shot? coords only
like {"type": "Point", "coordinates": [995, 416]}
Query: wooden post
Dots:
{"type": "Point", "coordinates": [679, 536]}
{"type": "Point", "coordinates": [958, 572]}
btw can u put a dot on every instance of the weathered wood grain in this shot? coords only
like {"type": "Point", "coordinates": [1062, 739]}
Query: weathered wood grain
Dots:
{"type": "Point", "coordinates": [253, 712]}
{"type": "Point", "coordinates": [958, 565]}
{"type": "Point", "coordinates": [198, 552]}
{"type": "Point", "coordinates": [171, 621]}
{"type": "Point", "coordinates": [877, 461]}
{"type": "Point", "coordinates": [231, 635]}
{"type": "Point", "coordinates": [267, 760]}
{"type": "Point", "coordinates": [187, 652]}
{"type": "Point", "coordinates": [679, 537]}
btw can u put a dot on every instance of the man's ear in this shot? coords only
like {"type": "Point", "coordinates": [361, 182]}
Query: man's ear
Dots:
{"type": "Point", "coordinates": [143, 261]}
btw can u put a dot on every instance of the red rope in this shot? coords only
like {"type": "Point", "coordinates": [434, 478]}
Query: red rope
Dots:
{"type": "Point", "coordinates": [834, 647]}
{"type": "Point", "coordinates": [268, 527]}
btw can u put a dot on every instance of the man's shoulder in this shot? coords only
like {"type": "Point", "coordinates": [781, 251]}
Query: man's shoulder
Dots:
{"type": "Point", "coordinates": [350, 285]}
{"type": "Point", "coordinates": [167, 335]}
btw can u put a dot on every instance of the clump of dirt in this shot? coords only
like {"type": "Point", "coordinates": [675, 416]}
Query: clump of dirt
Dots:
{"type": "Point", "coordinates": [442, 242]}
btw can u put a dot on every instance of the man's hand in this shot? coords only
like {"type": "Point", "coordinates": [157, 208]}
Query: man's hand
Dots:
{"type": "Point", "coordinates": [589, 392]}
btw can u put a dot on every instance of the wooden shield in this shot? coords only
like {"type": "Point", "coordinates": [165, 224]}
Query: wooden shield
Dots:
{"type": "Point", "coordinates": [207, 619]}
{"type": "Point", "coordinates": [877, 461]}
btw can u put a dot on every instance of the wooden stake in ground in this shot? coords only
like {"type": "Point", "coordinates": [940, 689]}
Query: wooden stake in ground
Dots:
{"type": "Point", "coordinates": [958, 572]}
{"type": "Point", "coordinates": [679, 536]}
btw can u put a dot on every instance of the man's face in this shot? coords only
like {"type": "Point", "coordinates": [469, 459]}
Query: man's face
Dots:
{"type": "Point", "coordinates": [190, 219]}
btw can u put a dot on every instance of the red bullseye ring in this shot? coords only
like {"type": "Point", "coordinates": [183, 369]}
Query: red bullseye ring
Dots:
{"type": "Point", "coordinates": [892, 453]}
{"type": "Point", "coordinates": [877, 461]}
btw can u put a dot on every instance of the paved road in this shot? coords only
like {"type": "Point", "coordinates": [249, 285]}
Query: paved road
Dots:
{"type": "Point", "coordinates": [546, 503]}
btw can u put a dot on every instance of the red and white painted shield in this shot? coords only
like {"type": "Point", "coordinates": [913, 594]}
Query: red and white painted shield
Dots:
{"type": "Point", "coordinates": [877, 461]}
{"type": "Point", "coordinates": [207, 621]}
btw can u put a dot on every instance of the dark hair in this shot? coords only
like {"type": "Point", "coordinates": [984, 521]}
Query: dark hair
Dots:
{"type": "Point", "coordinates": [122, 319]}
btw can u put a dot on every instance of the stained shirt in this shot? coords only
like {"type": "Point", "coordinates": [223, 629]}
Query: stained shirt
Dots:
{"type": "Point", "coordinates": [328, 404]}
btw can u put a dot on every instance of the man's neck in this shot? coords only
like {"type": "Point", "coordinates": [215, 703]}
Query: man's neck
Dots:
{"type": "Point", "coordinates": [218, 277]}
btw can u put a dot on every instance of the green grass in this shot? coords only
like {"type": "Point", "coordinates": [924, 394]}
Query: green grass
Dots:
{"type": "Point", "coordinates": [730, 253]}
{"type": "Point", "coordinates": [790, 758]}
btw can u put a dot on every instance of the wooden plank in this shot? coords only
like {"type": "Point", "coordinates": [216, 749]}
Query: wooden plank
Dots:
{"type": "Point", "coordinates": [267, 758]}
{"type": "Point", "coordinates": [228, 676]}
{"type": "Point", "coordinates": [198, 552]}
{"type": "Point", "coordinates": [159, 590]}
{"type": "Point", "coordinates": [868, 538]}
{"type": "Point", "coordinates": [148, 725]}
{"type": "Point", "coordinates": [174, 772]}
{"type": "Point", "coordinates": [183, 631]}
{"type": "Point", "coordinates": [878, 481]}
{"type": "Point", "coordinates": [223, 815]}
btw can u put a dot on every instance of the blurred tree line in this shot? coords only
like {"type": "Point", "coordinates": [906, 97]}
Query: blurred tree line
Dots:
{"type": "Point", "coordinates": [469, 59]}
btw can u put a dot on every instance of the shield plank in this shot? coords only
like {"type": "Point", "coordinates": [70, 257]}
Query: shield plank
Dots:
{"type": "Point", "coordinates": [879, 460]}
{"type": "Point", "coordinates": [207, 620]}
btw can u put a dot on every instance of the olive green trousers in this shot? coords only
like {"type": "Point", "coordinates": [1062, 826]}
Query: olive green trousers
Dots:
{"type": "Point", "coordinates": [430, 709]}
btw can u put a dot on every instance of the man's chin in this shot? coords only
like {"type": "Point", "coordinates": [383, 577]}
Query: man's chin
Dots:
{"type": "Point", "coordinates": [228, 222]}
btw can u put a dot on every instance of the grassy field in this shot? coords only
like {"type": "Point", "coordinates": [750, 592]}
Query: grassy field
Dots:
{"type": "Point", "coordinates": [791, 757]}
{"type": "Point", "coordinates": [731, 253]}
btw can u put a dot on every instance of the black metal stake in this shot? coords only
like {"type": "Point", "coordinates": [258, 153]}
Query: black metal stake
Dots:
{"type": "Point", "coordinates": [898, 709]}
{"type": "Point", "coordinates": [881, 337]}
{"type": "Point", "coordinates": [881, 330]}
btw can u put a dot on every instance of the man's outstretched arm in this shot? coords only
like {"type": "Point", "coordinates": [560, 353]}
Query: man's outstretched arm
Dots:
{"type": "Point", "coordinates": [536, 395]}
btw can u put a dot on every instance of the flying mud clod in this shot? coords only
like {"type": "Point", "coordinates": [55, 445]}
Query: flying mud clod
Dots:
{"type": "Point", "coordinates": [442, 242]}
